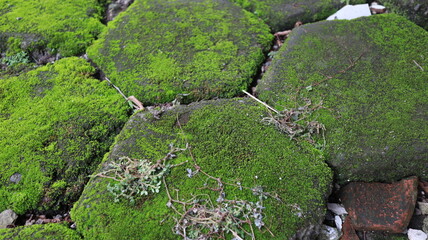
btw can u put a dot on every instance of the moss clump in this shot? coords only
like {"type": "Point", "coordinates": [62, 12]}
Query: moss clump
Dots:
{"type": "Point", "coordinates": [65, 27]}
{"type": "Point", "coordinates": [56, 122]}
{"type": "Point", "coordinates": [281, 15]}
{"type": "Point", "coordinates": [158, 49]}
{"type": "Point", "coordinates": [54, 231]}
{"type": "Point", "coordinates": [370, 74]}
{"type": "Point", "coordinates": [227, 140]}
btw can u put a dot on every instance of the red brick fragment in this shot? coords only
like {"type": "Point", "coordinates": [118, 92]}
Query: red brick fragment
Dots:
{"type": "Point", "coordinates": [380, 206]}
{"type": "Point", "coordinates": [348, 231]}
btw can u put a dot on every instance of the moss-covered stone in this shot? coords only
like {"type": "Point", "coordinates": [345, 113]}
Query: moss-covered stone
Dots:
{"type": "Point", "coordinates": [158, 49]}
{"type": "Point", "coordinates": [65, 27]}
{"type": "Point", "coordinates": [370, 74]}
{"type": "Point", "coordinates": [56, 123]}
{"type": "Point", "coordinates": [281, 15]}
{"type": "Point", "coordinates": [228, 141]}
{"type": "Point", "coordinates": [55, 231]}
{"type": "Point", "coordinates": [415, 11]}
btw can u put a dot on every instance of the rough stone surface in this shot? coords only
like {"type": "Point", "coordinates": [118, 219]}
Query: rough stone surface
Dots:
{"type": "Point", "coordinates": [55, 231]}
{"type": "Point", "coordinates": [414, 10]}
{"type": "Point", "coordinates": [369, 75]}
{"type": "Point", "coordinates": [228, 141]}
{"type": "Point", "coordinates": [380, 206]}
{"type": "Point", "coordinates": [376, 235]}
{"type": "Point", "coordinates": [198, 49]}
{"type": "Point", "coordinates": [7, 217]}
{"type": "Point", "coordinates": [281, 15]}
{"type": "Point", "coordinates": [56, 123]}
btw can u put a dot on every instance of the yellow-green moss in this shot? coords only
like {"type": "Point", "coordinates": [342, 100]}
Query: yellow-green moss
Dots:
{"type": "Point", "coordinates": [55, 231]}
{"type": "Point", "coordinates": [376, 109]}
{"type": "Point", "coordinates": [56, 122]}
{"type": "Point", "coordinates": [227, 140]}
{"type": "Point", "coordinates": [66, 26]}
{"type": "Point", "coordinates": [158, 49]}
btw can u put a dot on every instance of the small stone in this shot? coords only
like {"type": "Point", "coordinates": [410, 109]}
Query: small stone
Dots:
{"type": "Point", "coordinates": [380, 206]}
{"type": "Point", "coordinates": [7, 217]}
{"type": "Point", "coordinates": [15, 178]}
{"type": "Point", "coordinates": [338, 209]}
{"type": "Point", "coordinates": [40, 221]}
{"type": "Point", "coordinates": [423, 206]}
{"type": "Point", "coordinates": [414, 234]}
{"type": "Point", "coordinates": [338, 222]}
{"type": "Point", "coordinates": [329, 233]}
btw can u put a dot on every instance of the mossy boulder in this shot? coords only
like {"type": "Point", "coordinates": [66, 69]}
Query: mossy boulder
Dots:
{"type": "Point", "coordinates": [281, 15]}
{"type": "Point", "coordinates": [53, 231]}
{"type": "Point", "coordinates": [415, 11]}
{"type": "Point", "coordinates": [157, 50]}
{"type": "Point", "coordinates": [370, 77]}
{"type": "Point", "coordinates": [55, 26]}
{"type": "Point", "coordinates": [228, 141]}
{"type": "Point", "coordinates": [56, 123]}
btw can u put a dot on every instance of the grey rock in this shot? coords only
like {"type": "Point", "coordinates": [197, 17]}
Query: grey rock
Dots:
{"type": "Point", "coordinates": [415, 234]}
{"type": "Point", "coordinates": [15, 178]}
{"type": "Point", "coordinates": [7, 217]}
{"type": "Point", "coordinates": [329, 233]}
{"type": "Point", "coordinates": [423, 206]}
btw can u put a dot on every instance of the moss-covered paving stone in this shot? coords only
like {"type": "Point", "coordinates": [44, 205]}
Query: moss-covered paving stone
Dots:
{"type": "Point", "coordinates": [281, 15]}
{"type": "Point", "coordinates": [56, 123]}
{"type": "Point", "coordinates": [53, 231]}
{"type": "Point", "coordinates": [415, 11]}
{"type": "Point", "coordinates": [370, 75]}
{"type": "Point", "coordinates": [227, 140]}
{"type": "Point", "coordinates": [157, 50]}
{"type": "Point", "coordinates": [65, 27]}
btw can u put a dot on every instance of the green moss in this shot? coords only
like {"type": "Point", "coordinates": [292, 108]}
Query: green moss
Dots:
{"type": "Point", "coordinates": [54, 231]}
{"type": "Point", "coordinates": [56, 122]}
{"type": "Point", "coordinates": [375, 110]}
{"type": "Point", "coordinates": [228, 141]}
{"type": "Point", "coordinates": [415, 11]}
{"type": "Point", "coordinates": [281, 15]}
{"type": "Point", "coordinates": [156, 50]}
{"type": "Point", "coordinates": [67, 27]}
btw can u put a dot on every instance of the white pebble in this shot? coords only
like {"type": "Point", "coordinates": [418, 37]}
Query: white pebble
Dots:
{"type": "Point", "coordinates": [414, 234]}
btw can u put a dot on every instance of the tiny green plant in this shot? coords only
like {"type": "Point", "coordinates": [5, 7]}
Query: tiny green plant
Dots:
{"type": "Point", "coordinates": [21, 57]}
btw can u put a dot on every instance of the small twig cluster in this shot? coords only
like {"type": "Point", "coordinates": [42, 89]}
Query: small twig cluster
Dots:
{"type": "Point", "coordinates": [290, 122]}
{"type": "Point", "coordinates": [200, 218]}
{"type": "Point", "coordinates": [135, 177]}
